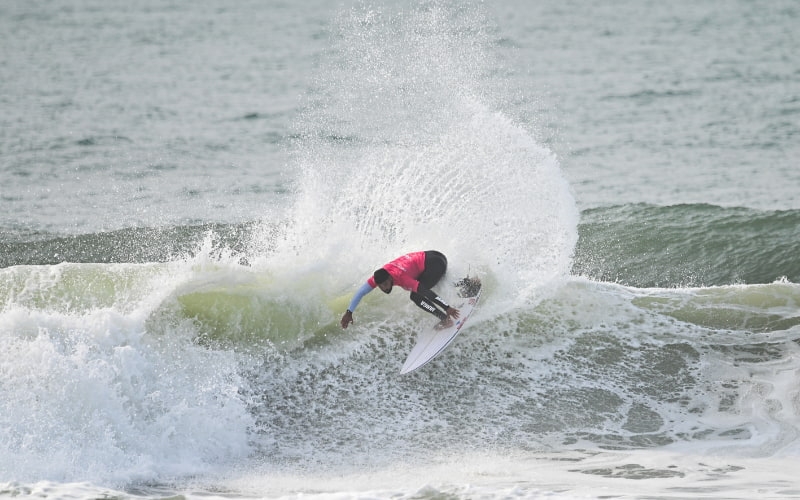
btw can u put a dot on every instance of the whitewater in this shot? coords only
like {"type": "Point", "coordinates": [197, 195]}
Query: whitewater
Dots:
{"type": "Point", "coordinates": [169, 305]}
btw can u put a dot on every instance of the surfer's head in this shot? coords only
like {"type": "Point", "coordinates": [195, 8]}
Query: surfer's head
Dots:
{"type": "Point", "coordinates": [384, 280]}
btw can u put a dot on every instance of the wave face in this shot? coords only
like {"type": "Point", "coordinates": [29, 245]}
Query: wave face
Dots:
{"type": "Point", "coordinates": [146, 372]}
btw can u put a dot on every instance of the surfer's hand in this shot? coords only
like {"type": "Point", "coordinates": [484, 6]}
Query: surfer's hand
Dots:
{"type": "Point", "coordinates": [347, 318]}
{"type": "Point", "coordinates": [453, 312]}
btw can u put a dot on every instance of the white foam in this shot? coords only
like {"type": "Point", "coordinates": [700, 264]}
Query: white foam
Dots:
{"type": "Point", "coordinates": [407, 153]}
{"type": "Point", "coordinates": [115, 392]}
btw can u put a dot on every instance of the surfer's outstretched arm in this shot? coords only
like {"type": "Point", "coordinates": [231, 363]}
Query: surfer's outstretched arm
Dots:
{"type": "Point", "coordinates": [347, 318]}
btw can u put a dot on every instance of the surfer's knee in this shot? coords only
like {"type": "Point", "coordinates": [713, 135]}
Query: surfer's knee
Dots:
{"type": "Point", "coordinates": [420, 301]}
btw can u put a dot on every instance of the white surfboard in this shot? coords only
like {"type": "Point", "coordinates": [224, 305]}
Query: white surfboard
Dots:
{"type": "Point", "coordinates": [432, 342]}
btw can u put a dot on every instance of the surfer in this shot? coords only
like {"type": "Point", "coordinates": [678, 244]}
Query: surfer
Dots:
{"type": "Point", "coordinates": [416, 272]}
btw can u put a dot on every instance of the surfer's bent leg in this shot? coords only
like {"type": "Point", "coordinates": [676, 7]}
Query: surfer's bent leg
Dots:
{"type": "Point", "coordinates": [424, 297]}
{"type": "Point", "coordinates": [428, 305]}
{"type": "Point", "coordinates": [435, 267]}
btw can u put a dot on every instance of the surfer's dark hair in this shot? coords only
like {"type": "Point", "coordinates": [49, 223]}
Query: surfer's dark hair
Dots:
{"type": "Point", "coordinates": [380, 276]}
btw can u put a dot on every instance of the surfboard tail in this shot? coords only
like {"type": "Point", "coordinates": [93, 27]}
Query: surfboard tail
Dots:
{"type": "Point", "coordinates": [432, 342]}
{"type": "Point", "coordinates": [468, 287]}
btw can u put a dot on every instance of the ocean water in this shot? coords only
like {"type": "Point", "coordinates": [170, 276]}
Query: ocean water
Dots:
{"type": "Point", "coordinates": [191, 192]}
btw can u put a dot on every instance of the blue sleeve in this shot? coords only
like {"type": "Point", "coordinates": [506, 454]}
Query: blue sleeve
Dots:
{"type": "Point", "coordinates": [365, 289]}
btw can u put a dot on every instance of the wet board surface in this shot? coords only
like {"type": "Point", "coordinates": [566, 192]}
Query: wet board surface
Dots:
{"type": "Point", "coordinates": [432, 342]}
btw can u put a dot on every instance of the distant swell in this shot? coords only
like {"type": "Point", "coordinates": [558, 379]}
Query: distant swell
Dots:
{"type": "Point", "coordinates": [636, 245]}
{"type": "Point", "coordinates": [687, 245]}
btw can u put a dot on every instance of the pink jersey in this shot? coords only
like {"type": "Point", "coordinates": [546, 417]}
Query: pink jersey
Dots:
{"type": "Point", "coordinates": [404, 270]}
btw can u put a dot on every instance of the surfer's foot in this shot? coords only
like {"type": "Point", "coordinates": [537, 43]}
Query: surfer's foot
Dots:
{"type": "Point", "coordinates": [445, 323]}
